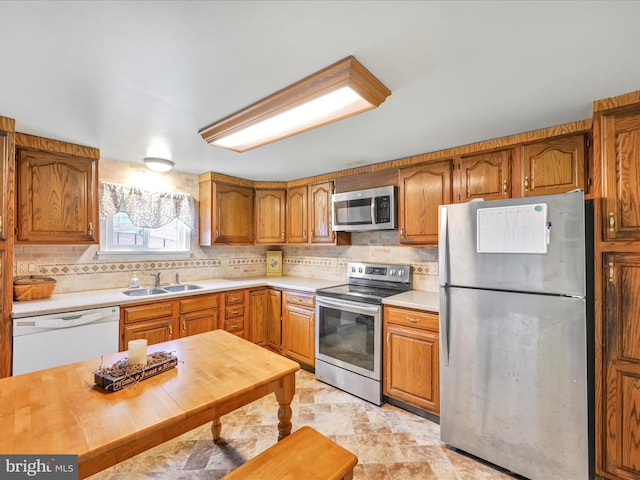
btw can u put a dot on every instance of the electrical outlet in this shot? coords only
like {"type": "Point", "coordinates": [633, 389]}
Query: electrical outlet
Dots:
{"type": "Point", "coordinates": [32, 266]}
{"type": "Point", "coordinates": [22, 267]}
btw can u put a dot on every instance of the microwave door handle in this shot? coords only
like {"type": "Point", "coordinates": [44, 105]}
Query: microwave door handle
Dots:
{"type": "Point", "coordinates": [374, 220]}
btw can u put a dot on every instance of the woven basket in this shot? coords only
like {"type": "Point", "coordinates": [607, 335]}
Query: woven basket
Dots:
{"type": "Point", "coordinates": [33, 287]}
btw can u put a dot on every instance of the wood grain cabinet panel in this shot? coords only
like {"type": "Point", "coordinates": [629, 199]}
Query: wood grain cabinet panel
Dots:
{"type": "Point", "coordinates": [270, 216]}
{"type": "Point", "coordinates": [320, 213]}
{"type": "Point", "coordinates": [7, 205]}
{"type": "Point", "coordinates": [297, 215]}
{"type": "Point", "coordinates": [57, 198]}
{"type": "Point", "coordinates": [621, 169]}
{"type": "Point", "coordinates": [621, 382]}
{"type": "Point", "coordinates": [265, 318]}
{"type": "Point", "coordinates": [554, 165]}
{"type": "Point", "coordinates": [411, 358]}
{"type": "Point", "coordinates": [198, 314]}
{"type": "Point", "coordinates": [486, 176]}
{"type": "Point", "coordinates": [156, 322]}
{"type": "Point", "coordinates": [421, 190]}
{"type": "Point", "coordinates": [298, 327]}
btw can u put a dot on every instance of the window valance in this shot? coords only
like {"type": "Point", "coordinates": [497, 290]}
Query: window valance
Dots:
{"type": "Point", "coordinates": [145, 208]}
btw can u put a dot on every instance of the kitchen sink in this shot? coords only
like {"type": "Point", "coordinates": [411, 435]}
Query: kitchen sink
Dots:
{"type": "Point", "coordinates": [181, 288]}
{"type": "Point", "coordinates": [141, 292]}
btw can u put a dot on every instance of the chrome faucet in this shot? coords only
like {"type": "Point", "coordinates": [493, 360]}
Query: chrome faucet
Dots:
{"type": "Point", "coordinates": [157, 277]}
{"type": "Point", "coordinates": [177, 279]}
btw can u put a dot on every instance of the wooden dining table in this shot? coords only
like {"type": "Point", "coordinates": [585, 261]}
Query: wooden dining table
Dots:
{"type": "Point", "coordinates": [61, 411]}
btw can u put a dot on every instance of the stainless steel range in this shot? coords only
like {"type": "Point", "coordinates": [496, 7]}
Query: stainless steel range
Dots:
{"type": "Point", "coordinates": [349, 328]}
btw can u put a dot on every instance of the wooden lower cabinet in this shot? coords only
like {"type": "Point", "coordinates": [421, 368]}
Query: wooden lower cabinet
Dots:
{"type": "Point", "coordinates": [198, 314]}
{"type": "Point", "coordinates": [298, 326]}
{"type": "Point", "coordinates": [155, 322]}
{"type": "Point", "coordinates": [265, 318]}
{"type": "Point", "coordinates": [618, 413]}
{"type": "Point", "coordinates": [411, 358]}
{"type": "Point", "coordinates": [236, 308]}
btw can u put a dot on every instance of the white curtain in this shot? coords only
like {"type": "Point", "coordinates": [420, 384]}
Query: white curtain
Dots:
{"type": "Point", "coordinates": [145, 208]}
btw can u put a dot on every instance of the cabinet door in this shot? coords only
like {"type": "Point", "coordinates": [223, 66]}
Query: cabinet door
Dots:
{"type": "Point", "coordinates": [421, 190]}
{"type": "Point", "coordinates": [297, 222]}
{"type": "Point", "coordinates": [274, 322]}
{"type": "Point", "coordinates": [298, 327]}
{"type": "Point", "coordinates": [234, 211]}
{"type": "Point", "coordinates": [270, 216]}
{"type": "Point", "coordinates": [4, 171]}
{"type": "Point", "coordinates": [153, 331]}
{"type": "Point", "coordinates": [320, 213]}
{"type": "Point", "coordinates": [258, 312]}
{"type": "Point", "coordinates": [411, 367]}
{"type": "Point", "coordinates": [57, 198]}
{"type": "Point", "coordinates": [484, 176]}
{"type": "Point", "coordinates": [621, 169]}
{"type": "Point", "coordinates": [555, 165]}
{"type": "Point", "coordinates": [198, 322]}
{"type": "Point", "coordinates": [621, 367]}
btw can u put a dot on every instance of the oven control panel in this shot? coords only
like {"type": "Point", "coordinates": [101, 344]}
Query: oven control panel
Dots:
{"type": "Point", "coordinates": [379, 271]}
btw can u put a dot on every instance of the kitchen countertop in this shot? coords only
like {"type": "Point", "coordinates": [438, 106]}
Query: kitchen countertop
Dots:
{"type": "Point", "coordinates": [415, 299]}
{"type": "Point", "coordinates": [68, 302]}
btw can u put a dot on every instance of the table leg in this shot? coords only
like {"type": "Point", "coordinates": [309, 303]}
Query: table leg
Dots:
{"type": "Point", "coordinates": [216, 428]}
{"type": "Point", "coordinates": [285, 396]}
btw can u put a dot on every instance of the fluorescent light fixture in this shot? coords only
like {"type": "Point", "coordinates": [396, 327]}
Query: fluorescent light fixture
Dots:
{"type": "Point", "coordinates": [158, 164]}
{"type": "Point", "coordinates": [336, 92]}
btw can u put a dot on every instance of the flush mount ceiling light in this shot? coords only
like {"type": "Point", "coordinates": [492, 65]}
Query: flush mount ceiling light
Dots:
{"type": "Point", "coordinates": [158, 164]}
{"type": "Point", "coordinates": [336, 92]}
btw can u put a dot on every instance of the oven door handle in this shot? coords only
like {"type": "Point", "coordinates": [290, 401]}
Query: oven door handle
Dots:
{"type": "Point", "coordinates": [347, 306]}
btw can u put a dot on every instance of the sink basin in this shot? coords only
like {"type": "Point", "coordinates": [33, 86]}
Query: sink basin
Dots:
{"type": "Point", "coordinates": [141, 292]}
{"type": "Point", "coordinates": [181, 288]}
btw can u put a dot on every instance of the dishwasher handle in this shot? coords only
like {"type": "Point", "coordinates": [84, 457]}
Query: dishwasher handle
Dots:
{"type": "Point", "coordinates": [68, 321]}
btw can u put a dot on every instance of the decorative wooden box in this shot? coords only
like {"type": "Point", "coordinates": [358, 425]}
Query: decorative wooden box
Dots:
{"type": "Point", "coordinates": [107, 379]}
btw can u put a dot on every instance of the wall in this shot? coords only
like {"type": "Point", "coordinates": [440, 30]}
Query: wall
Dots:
{"type": "Point", "coordinates": [78, 268]}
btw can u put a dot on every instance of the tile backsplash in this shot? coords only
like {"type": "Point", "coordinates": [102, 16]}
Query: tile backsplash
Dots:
{"type": "Point", "coordinates": [78, 268]}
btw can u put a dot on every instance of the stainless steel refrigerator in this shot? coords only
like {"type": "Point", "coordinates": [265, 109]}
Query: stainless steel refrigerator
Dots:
{"type": "Point", "coordinates": [515, 328]}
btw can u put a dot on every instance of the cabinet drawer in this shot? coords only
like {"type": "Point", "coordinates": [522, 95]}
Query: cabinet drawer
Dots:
{"type": "Point", "coordinates": [200, 302]}
{"type": "Point", "coordinates": [144, 312]}
{"type": "Point", "coordinates": [300, 298]}
{"type": "Point", "coordinates": [234, 311]}
{"type": "Point", "coordinates": [413, 318]}
{"type": "Point", "coordinates": [205, 313]}
{"type": "Point", "coordinates": [234, 298]}
{"type": "Point", "coordinates": [234, 325]}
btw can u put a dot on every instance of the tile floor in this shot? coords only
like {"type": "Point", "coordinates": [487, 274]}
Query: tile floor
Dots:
{"type": "Point", "coordinates": [390, 443]}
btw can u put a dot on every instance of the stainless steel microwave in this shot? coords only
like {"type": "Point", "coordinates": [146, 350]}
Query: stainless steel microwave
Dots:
{"type": "Point", "coordinates": [371, 209]}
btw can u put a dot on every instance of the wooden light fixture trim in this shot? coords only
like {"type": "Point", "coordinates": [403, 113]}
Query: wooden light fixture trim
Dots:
{"type": "Point", "coordinates": [345, 73]}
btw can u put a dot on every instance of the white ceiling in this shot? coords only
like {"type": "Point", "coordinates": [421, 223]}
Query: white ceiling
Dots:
{"type": "Point", "coordinates": [122, 75]}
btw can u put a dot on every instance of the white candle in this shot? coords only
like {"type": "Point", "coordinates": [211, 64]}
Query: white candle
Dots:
{"type": "Point", "coordinates": [138, 352]}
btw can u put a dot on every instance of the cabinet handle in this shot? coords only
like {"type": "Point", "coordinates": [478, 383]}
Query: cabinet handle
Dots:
{"type": "Point", "coordinates": [402, 232]}
{"type": "Point", "coordinates": [90, 228]}
{"type": "Point", "coordinates": [304, 234]}
{"type": "Point", "coordinates": [612, 222]}
{"type": "Point", "coordinates": [611, 272]}
{"type": "Point", "coordinates": [526, 184]}
{"type": "Point", "coordinates": [235, 312]}
{"type": "Point", "coordinates": [184, 326]}
{"type": "Point", "coordinates": [170, 331]}
{"type": "Point", "coordinates": [217, 233]}
{"type": "Point", "coordinates": [234, 326]}
{"type": "Point", "coordinates": [388, 338]}
{"type": "Point", "coordinates": [504, 187]}
{"type": "Point", "coordinates": [413, 319]}
{"type": "Point", "coordinates": [0, 224]}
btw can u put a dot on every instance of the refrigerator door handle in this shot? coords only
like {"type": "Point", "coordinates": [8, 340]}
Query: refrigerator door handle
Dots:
{"type": "Point", "coordinates": [443, 247]}
{"type": "Point", "coordinates": [444, 325]}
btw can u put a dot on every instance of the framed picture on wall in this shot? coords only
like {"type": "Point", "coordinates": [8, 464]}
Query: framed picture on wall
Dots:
{"type": "Point", "coordinates": [274, 263]}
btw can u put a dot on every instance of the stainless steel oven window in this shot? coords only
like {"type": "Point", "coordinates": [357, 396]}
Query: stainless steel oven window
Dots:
{"type": "Point", "coordinates": [349, 336]}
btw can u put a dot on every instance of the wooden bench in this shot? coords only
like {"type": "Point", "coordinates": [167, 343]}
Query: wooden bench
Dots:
{"type": "Point", "coordinates": [305, 454]}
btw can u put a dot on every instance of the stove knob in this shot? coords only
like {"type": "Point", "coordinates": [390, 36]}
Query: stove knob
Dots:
{"type": "Point", "coordinates": [392, 272]}
{"type": "Point", "coordinates": [401, 273]}
{"type": "Point", "coordinates": [359, 269]}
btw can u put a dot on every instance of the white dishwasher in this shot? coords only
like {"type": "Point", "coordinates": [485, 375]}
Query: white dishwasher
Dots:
{"type": "Point", "coordinates": [51, 340]}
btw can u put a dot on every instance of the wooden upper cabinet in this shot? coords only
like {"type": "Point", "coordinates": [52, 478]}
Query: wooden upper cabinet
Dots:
{"type": "Point", "coordinates": [554, 165]}
{"type": "Point", "coordinates": [297, 215]}
{"type": "Point", "coordinates": [421, 190]}
{"type": "Point", "coordinates": [270, 216]}
{"type": "Point", "coordinates": [619, 135]}
{"type": "Point", "coordinates": [6, 146]}
{"type": "Point", "coordinates": [486, 176]}
{"type": "Point", "coordinates": [320, 213]}
{"type": "Point", "coordinates": [57, 194]}
{"type": "Point", "coordinates": [226, 210]}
